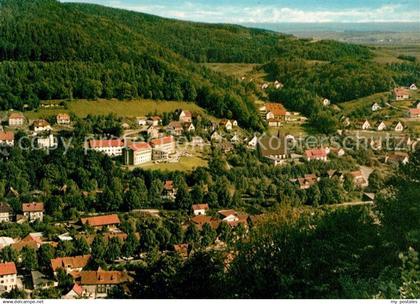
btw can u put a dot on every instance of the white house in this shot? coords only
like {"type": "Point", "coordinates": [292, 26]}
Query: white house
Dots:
{"type": "Point", "coordinates": [189, 127]}
{"type": "Point", "coordinates": [5, 212]}
{"type": "Point", "coordinates": [399, 127]}
{"type": "Point", "coordinates": [47, 142]}
{"type": "Point", "coordinates": [200, 209]}
{"type": "Point", "coordinates": [401, 94]}
{"type": "Point", "coordinates": [33, 211]}
{"type": "Point", "coordinates": [226, 123]}
{"type": "Point", "coordinates": [41, 125]}
{"type": "Point", "coordinates": [381, 126]}
{"type": "Point", "coordinates": [364, 125]}
{"type": "Point", "coordinates": [413, 87]}
{"type": "Point", "coordinates": [110, 147]}
{"type": "Point", "coordinates": [7, 138]}
{"type": "Point", "coordinates": [154, 121]}
{"type": "Point", "coordinates": [253, 142]}
{"type": "Point", "coordinates": [163, 147]}
{"type": "Point", "coordinates": [137, 153]}
{"type": "Point", "coordinates": [376, 107]}
{"type": "Point", "coordinates": [63, 119]}
{"type": "Point", "coordinates": [185, 116]}
{"type": "Point", "coordinates": [16, 119]}
{"type": "Point", "coordinates": [141, 121]}
{"type": "Point", "coordinates": [216, 136]}
{"type": "Point", "coordinates": [8, 279]}
{"type": "Point", "coordinates": [326, 102]}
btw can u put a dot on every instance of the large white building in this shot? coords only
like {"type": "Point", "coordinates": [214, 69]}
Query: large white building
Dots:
{"type": "Point", "coordinates": [163, 147]}
{"type": "Point", "coordinates": [33, 211]}
{"type": "Point", "coordinates": [110, 147]}
{"type": "Point", "coordinates": [137, 153]}
{"type": "Point", "coordinates": [8, 279]}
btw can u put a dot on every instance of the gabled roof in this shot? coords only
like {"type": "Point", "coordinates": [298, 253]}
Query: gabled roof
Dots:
{"type": "Point", "coordinates": [200, 207]}
{"type": "Point", "coordinates": [39, 123]}
{"type": "Point", "coordinates": [315, 153]}
{"type": "Point", "coordinates": [162, 141]}
{"type": "Point", "coordinates": [105, 143]}
{"type": "Point", "coordinates": [70, 262]}
{"type": "Point", "coordinates": [102, 277]}
{"type": "Point", "coordinates": [276, 108]}
{"type": "Point", "coordinates": [33, 207]}
{"type": "Point", "coordinates": [78, 289]}
{"type": "Point", "coordinates": [168, 185]}
{"type": "Point", "coordinates": [7, 136]}
{"type": "Point", "coordinates": [63, 116]}
{"type": "Point", "coordinates": [101, 220]}
{"type": "Point", "coordinates": [414, 112]}
{"type": "Point", "coordinates": [16, 115]}
{"type": "Point", "coordinates": [200, 220]}
{"type": "Point", "coordinates": [226, 213]}
{"type": "Point", "coordinates": [4, 208]}
{"type": "Point", "coordinates": [401, 91]}
{"type": "Point", "coordinates": [7, 268]}
{"type": "Point", "coordinates": [272, 146]}
{"type": "Point", "coordinates": [139, 146]}
{"type": "Point", "coordinates": [175, 125]}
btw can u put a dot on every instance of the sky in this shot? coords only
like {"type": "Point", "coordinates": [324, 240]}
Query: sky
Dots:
{"type": "Point", "coordinates": [274, 11]}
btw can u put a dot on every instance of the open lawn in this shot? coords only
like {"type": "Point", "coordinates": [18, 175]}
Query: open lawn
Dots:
{"type": "Point", "coordinates": [130, 108]}
{"type": "Point", "coordinates": [389, 54]}
{"type": "Point", "coordinates": [363, 102]}
{"type": "Point", "coordinates": [237, 70]}
{"type": "Point", "coordinates": [185, 164]}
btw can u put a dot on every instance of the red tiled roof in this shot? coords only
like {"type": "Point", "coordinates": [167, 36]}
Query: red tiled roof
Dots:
{"type": "Point", "coordinates": [401, 91]}
{"type": "Point", "coordinates": [162, 141]}
{"type": "Point", "coordinates": [276, 108]}
{"type": "Point", "coordinates": [70, 262]}
{"type": "Point", "coordinates": [226, 213]}
{"type": "Point", "coordinates": [200, 206]}
{"type": "Point", "coordinates": [168, 185]}
{"type": "Point", "coordinates": [139, 146]}
{"type": "Point", "coordinates": [7, 136]}
{"type": "Point", "coordinates": [63, 116]}
{"type": "Point", "coordinates": [103, 143]}
{"type": "Point", "coordinates": [78, 289]}
{"type": "Point", "coordinates": [40, 123]}
{"type": "Point", "coordinates": [315, 153]}
{"type": "Point", "coordinates": [200, 220]}
{"type": "Point", "coordinates": [7, 268]}
{"type": "Point", "coordinates": [224, 122]}
{"type": "Point", "coordinates": [414, 112]}
{"type": "Point", "coordinates": [102, 277]}
{"type": "Point", "coordinates": [33, 207]}
{"type": "Point", "coordinates": [15, 115]}
{"type": "Point", "coordinates": [102, 220]}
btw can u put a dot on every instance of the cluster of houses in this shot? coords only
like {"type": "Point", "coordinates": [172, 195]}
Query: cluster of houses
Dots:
{"type": "Point", "coordinates": [30, 212]}
{"type": "Point", "coordinates": [396, 126]}
{"type": "Point", "coordinates": [231, 217]}
{"type": "Point", "coordinates": [404, 93]}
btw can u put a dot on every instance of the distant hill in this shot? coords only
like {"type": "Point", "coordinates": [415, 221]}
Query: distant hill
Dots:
{"type": "Point", "coordinates": [52, 50]}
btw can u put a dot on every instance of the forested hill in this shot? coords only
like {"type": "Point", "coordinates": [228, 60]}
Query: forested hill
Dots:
{"type": "Point", "coordinates": [53, 50]}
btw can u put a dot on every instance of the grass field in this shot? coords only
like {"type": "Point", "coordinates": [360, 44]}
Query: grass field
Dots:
{"type": "Point", "coordinates": [237, 70]}
{"type": "Point", "coordinates": [131, 108]}
{"type": "Point", "coordinates": [363, 102]}
{"type": "Point", "coordinates": [389, 54]}
{"type": "Point", "coordinates": [184, 164]}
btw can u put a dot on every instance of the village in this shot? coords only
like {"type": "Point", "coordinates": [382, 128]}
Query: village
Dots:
{"type": "Point", "coordinates": [148, 142]}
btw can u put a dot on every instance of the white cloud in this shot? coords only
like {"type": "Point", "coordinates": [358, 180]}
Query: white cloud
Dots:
{"type": "Point", "coordinates": [271, 13]}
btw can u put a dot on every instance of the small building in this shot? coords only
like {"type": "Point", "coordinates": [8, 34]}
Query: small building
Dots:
{"type": "Point", "coordinates": [97, 222]}
{"type": "Point", "coordinates": [29, 241]}
{"type": "Point", "coordinates": [338, 151]}
{"type": "Point", "coordinates": [33, 211]}
{"type": "Point", "coordinates": [152, 132]}
{"type": "Point", "coordinates": [398, 126]}
{"type": "Point", "coordinates": [200, 209]}
{"type": "Point", "coordinates": [163, 147]}
{"type": "Point", "coordinates": [141, 121]}
{"type": "Point", "coordinates": [216, 137]}
{"type": "Point", "coordinates": [154, 121]}
{"type": "Point", "coordinates": [413, 87]}
{"type": "Point", "coordinates": [274, 122]}
{"type": "Point", "coordinates": [70, 264]}
{"type": "Point", "coordinates": [414, 113]}
{"type": "Point", "coordinates": [175, 128]}
{"type": "Point", "coordinates": [397, 158]}
{"type": "Point", "coordinates": [253, 142]}
{"type": "Point", "coordinates": [316, 154]}
{"type": "Point", "coordinates": [358, 179]}
{"type": "Point", "coordinates": [63, 119]}
{"type": "Point", "coordinates": [363, 125]}
{"type": "Point", "coordinates": [169, 190]}
{"type": "Point", "coordinates": [41, 125]}
{"type": "Point", "coordinates": [233, 218]}
{"type": "Point", "coordinates": [16, 119]}
{"type": "Point", "coordinates": [401, 94]}
{"type": "Point", "coordinates": [6, 241]}
{"type": "Point", "coordinates": [47, 142]}
{"type": "Point", "coordinates": [110, 147]}
{"type": "Point", "coordinates": [307, 181]}
{"type": "Point", "coordinates": [98, 283]}
{"type": "Point", "coordinates": [274, 111]}
{"type": "Point", "coordinates": [375, 107]}
{"type": "Point", "coordinates": [274, 149]}
{"type": "Point", "coordinates": [189, 127]}
{"type": "Point", "coordinates": [7, 138]}
{"type": "Point", "coordinates": [76, 292]}
{"type": "Point", "coordinates": [42, 281]}
{"type": "Point", "coordinates": [8, 276]}
{"type": "Point", "coordinates": [183, 250]}
{"type": "Point", "coordinates": [137, 153]}
{"type": "Point", "coordinates": [326, 102]}
{"type": "Point", "coordinates": [380, 126]}
{"type": "Point", "coordinates": [185, 116]}
{"type": "Point", "coordinates": [5, 212]}
{"type": "Point", "coordinates": [227, 124]}
{"type": "Point", "coordinates": [200, 220]}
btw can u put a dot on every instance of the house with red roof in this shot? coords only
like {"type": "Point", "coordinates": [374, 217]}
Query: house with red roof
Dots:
{"type": "Point", "coordinates": [316, 154]}
{"type": "Point", "coordinates": [414, 113]}
{"type": "Point", "coordinates": [169, 190]}
{"type": "Point", "coordinates": [401, 94]}
{"type": "Point", "coordinates": [185, 116]}
{"type": "Point", "coordinates": [8, 276]}
{"type": "Point", "coordinates": [7, 138]}
{"type": "Point", "coordinates": [137, 153]}
{"type": "Point", "coordinates": [41, 125]}
{"type": "Point", "coordinates": [63, 119]}
{"type": "Point", "coordinates": [163, 147]}
{"type": "Point", "coordinates": [16, 119]}
{"type": "Point", "coordinates": [33, 211]}
{"type": "Point", "coordinates": [233, 218]}
{"type": "Point", "coordinates": [76, 292]}
{"type": "Point", "coordinates": [70, 264]}
{"type": "Point", "coordinates": [200, 209]}
{"type": "Point", "coordinates": [110, 147]}
{"type": "Point", "coordinates": [97, 222]}
{"type": "Point", "coordinates": [97, 284]}
{"type": "Point", "coordinates": [274, 112]}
